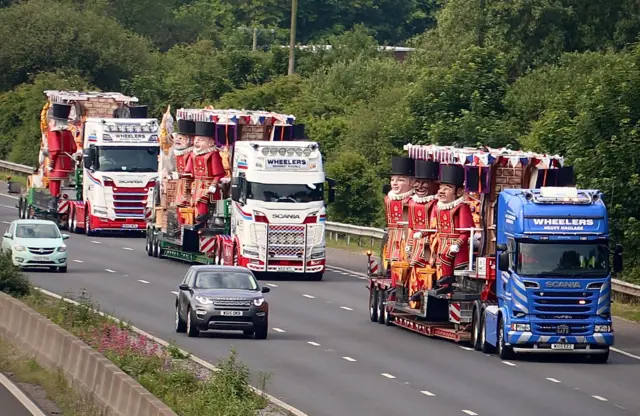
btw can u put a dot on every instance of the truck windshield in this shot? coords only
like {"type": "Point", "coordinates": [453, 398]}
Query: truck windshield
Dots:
{"type": "Point", "coordinates": [127, 159]}
{"type": "Point", "coordinates": [575, 259]}
{"type": "Point", "coordinates": [294, 193]}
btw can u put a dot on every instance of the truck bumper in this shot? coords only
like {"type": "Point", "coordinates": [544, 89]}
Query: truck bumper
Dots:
{"type": "Point", "coordinates": [559, 344]}
{"type": "Point", "coordinates": [128, 224]}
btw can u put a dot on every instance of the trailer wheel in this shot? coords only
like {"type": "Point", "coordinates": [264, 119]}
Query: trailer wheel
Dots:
{"type": "Point", "coordinates": [475, 331]}
{"type": "Point", "coordinates": [381, 306]}
{"type": "Point", "coordinates": [599, 358]}
{"type": "Point", "coordinates": [373, 304]}
{"type": "Point", "coordinates": [504, 351]}
{"type": "Point", "coordinates": [388, 319]}
{"type": "Point", "coordinates": [148, 247]}
{"type": "Point", "coordinates": [156, 251]}
{"type": "Point", "coordinates": [485, 346]}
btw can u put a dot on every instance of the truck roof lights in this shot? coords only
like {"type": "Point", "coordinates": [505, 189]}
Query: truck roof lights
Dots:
{"type": "Point", "coordinates": [558, 192]}
{"type": "Point", "coordinates": [151, 127]}
{"type": "Point", "coordinates": [289, 151]}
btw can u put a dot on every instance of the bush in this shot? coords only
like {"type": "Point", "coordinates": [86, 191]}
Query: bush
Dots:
{"type": "Point", "coordinates": [12, 280]}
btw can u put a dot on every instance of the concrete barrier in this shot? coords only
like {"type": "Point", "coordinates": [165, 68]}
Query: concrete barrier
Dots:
{"type": "Point", "coordinates": [87, 370]}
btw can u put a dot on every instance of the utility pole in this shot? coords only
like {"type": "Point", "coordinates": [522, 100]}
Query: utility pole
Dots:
{"type": "Point", "coordinates": [255, 38]}
{"type": "Point", "coordinates": [292, 39]}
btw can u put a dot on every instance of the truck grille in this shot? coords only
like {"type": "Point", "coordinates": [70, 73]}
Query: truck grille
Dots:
{"type": "Point", "coordinates": [43, 251]}
{"type": "Point", "coordinates": [128, 202]}
{"type": "Point", "coordinates": [563, 329]}
{"type": "Point", "coordinates": [286, 240]}
{"type": "Point", "coordinates": [563, 312]}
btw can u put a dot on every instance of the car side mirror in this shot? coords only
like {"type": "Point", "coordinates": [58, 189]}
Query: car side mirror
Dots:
{"type": "Point", "coordinates": [7, 235]}
{"type": "Point", "coordinates": [503, 261]}
{"type": "Point", "coordinates": [265, 289]}
{"type": "Point", "coordinates": [65, 236]}
{"type": "Point", "coordinates": [183, 286]}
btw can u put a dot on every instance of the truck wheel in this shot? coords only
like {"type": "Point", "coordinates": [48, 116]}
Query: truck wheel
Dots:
{"type": "Point", "coordinates": [20, 209]}
{"type": "Point", "coordinates": [373, 304]}
{"type": "Point", "coordinates": [599, 358]}
{"type": "Point", "coordinates": [387, 318]}
{"type": "Point", "coordinates": [315, 277]}
{"type": "Point", "coordinates": [70, 222]}
{"type": "Point", "coordinates": [87, 223]}
{"type": "Point", "coordinates": [504, 351]}
{"type": "Point", "coordinates": [156, 250]}
{"type": "Point", "coordinates": [485, 347]}
{"type": "Point", "coordinates": [192, 330]}
{"type": "Point", "coordinates": [475, 331]}
{"type": "Point", "coordinates": [147, 245]}
{"type": "Point", "coordinates": [381, 306]}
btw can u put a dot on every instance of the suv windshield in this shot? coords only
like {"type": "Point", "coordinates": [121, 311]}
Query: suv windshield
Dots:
{"type": "Point", "coordinates": [37, 231]}
{"type": "Point", "coordinates": [127, 159]}
{"type": "Point", "coordinates": [563, 259]}
{"type": "Point", "coordinates": [294, 193]}
{"type": "Point", "coordinates": [225, 280]}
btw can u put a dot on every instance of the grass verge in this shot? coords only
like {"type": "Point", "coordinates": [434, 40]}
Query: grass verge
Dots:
{"type": "Point", "coordinates": [184, 386]}
{"type": "Point", "coordinates": [22, 180]}
{"type": "Point", "coordinates": [628, 311]}
{"type": "Point", "coordinates": [354, 244]}
{"type": "Point", "coordinates": [60, 397]}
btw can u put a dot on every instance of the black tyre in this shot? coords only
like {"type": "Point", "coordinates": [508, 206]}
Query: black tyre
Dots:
{"type": "Point", "coordinates": [156, 251]}
{"type": "Point", "coordinates": [248, 332]}
{"type": "Point", "coordinates": [62, 269]}
{"type": "Point", "coordinates": [192, 330]}
{"type": "Point", "coordinates": [181, 325]}
{"type": "Point", "coordinates": [373, 304]}
{"type": "Point", "coordinates": [381, 306]}
{"type": "Point", "coordinates": [599, 358]}
{"type": "Point", "coordinates": [485, 347]}
{"type": "Point", "coordinates": [504, 351]}
{"type": "Point", "coordinates": [87, 223]}
{"type": "Point", "coordinates": [148, 247]}
{"type": "Point", "coordinates": [475, 330]}
{"type": "Point", "coordinates": [315, 277]}
{"type": "Point", "coordinates": [262, 331]}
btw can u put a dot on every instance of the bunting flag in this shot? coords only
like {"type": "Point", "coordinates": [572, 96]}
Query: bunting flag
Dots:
{"type": "Point", "coordinates": [485, 156]}
{"type": "Point", "coordinates": [235, 117]}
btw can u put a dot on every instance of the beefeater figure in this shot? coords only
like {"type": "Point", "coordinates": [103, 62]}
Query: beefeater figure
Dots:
{"type": "Point", "coordinates": [206, 167]}
{"type": "Point", "coordinates": [450, 215]}
{"type": "Point", "coordinates": [396, 206]}
{"type": "Point", "coordinates": [183, 150]}
{"type": "Point", "coordinates": [420, 206]}
{"type": "Point", "coordinates": [61, 147]}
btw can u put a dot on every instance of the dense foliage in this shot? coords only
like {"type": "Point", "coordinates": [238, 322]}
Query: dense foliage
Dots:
{"type": "Point", "coordinates": [559, 76]}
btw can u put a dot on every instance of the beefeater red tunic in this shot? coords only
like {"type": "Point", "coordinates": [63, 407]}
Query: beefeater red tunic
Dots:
{"type": "Point", "coordinates": [183, 191]}
{"type": "Point", "coordinates": [450, 217]}
{"type": "Point", "coordinates": [396, 211]}
{"type": "Point", "coordinates": [206, 168]}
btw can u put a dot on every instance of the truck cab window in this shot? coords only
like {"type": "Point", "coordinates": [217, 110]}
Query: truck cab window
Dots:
{"type": "Point", "coordinates": [562, 259]}
{"type": "Point", "coordinates": [126, 159]}
{"type": "Point", "coordinates": [293, 193]}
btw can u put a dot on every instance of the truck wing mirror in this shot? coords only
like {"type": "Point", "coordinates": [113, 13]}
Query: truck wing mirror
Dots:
{"type": "Point", "coordinates": [503, 261]}
{"type": "Point", "coordinates": [618, 249]}
{"type": "Point", "coordinates": [331, 196]}
{"type": "Point", "coordinates": [236, 188]}
{"type": "Point", "coordinates": [617, 262]}
{"type": "Point", "coordinates": [502, 247]}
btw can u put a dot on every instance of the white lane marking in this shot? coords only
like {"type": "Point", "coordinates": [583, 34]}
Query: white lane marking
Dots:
{"type": "Point", "coordinates": [110, 271]}
{"type": "Point", "coordinates": [346, 308]}
{"type": "Point", "coordinates": [9, 196]}
{"type": "Point", "coordinates": [625, 353]}
{"type": "Point", "coordinates": [465, 348]}
{"type": "Point", "coordinates": [387, 375]}
{"type": "Point", "coordinates": [509, 363]}
{"type": "Point", "coordinates": [96, 242]}
{"type": "Point", "coordinates": [427, 393]}
{"type": "Point", "coordinates": [78, 261]}
{"type": "Point", "coordinates": [278, 330]}
{"type": "Point", "coordinates": [553, 380]}
{"type": "Point", "coordinates": [602, 399]}
{"type": "Point", "coordinates": [127, 248]}
{"type": "Point", "coordinates": [620, 407]}
{"type": "Point", "coordinates": [315, 344]}
{"type": "Point", "coordinates": [308, 296]}
{"type": "Point", "coordinates": [349, 359]}
{"type": "Point", "coordinates": [7, 206]}
{"type": "Point", "coordinates": [175, 293]}
{"type": "Point", "coordinates": [143, 281]}
{"type": "Point", "coordinates": [469, 412]}
{"type": "Point", "coordinates": [20, 396]}
{"type": "Point", "coordinates": [272, 285]}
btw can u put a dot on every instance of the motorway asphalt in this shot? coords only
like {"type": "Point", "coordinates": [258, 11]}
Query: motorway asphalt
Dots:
{"type": "Point", "coordinates": [327, 359]}
{"type": "Point", "coordinates": [10, 405]}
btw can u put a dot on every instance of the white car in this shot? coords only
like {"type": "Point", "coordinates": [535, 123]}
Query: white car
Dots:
{"type": "Point", "coordinates": [36, 243]}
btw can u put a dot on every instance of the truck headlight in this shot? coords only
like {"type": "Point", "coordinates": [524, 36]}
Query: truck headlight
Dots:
{"type": "Point", "coordinates": [202, 300]}
{"type": "Point", "coordinates": [318, 253]}
{"type": "Point", "coordinates": [521, 327]}
{"type": "Point", "coordinates": [602, 328]}
{"type": "Point", "coordinates": [258, 302]}
{"type": "Point", "coordinates": [250, 252]}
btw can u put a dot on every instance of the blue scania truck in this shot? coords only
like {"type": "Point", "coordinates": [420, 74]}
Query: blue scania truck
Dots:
{"type": "Point", "coordinates": [553, 277]}
{"type": "Point", "coordinates": [539, 276]}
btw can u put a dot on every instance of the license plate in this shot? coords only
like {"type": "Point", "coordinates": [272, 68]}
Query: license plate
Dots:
{"type": "Point", "coordinates": [40, 258]}
{"type": "Point", "coordinates": [129, 225]}
{"type": "Point", "coordinates": [231, 313]}
{"type": "Point", "coordinates": [562, 346]}
{"type": "Point", "coordinates": [285, 269]}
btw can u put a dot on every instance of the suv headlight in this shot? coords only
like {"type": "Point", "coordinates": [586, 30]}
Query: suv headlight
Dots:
{"type": "Point", "coordinates": [258, 302]}
{"type": "Point", "coordinates": [62, 249]}
{"type": "Point", "coordinates": [203, 300]}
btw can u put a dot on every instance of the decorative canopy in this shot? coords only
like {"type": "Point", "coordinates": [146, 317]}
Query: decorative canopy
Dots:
{"type": "Point", "coordinates": [236, 117]}
{"type": "Point", "coordinates": [63, 97]}
{"type": "Point", "coordinates": [486, 156]}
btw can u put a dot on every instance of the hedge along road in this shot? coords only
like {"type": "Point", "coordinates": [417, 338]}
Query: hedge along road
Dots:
{"type": "Point", "coordinates": [327, 358]}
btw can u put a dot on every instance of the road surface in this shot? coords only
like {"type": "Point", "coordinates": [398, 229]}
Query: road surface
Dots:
{"type": "Point", "coordinates": [328, 359]}
{"type": "Point", "coordinates": [9, 403]}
